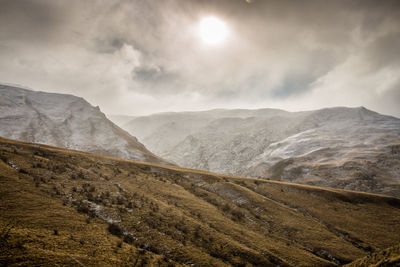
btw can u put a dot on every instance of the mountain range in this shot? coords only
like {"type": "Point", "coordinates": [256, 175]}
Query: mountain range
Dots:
{"type": "Point", "coordinates": [348, 148]}
{"type": "Point", "coordinates": [60, 206]}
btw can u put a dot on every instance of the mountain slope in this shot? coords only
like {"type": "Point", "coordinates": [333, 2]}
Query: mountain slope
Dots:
{"type": "Point", "coordinates": [64, 121]}
{"type": "Point", "coordinates": [384, 258]}
{"type": "Point", "coordinates": [349, 148]}
{"type": "Point", "coordinates": [168, 215]}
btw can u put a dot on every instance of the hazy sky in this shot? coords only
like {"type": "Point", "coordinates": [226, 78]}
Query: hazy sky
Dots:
{"type": "Point", "coordinates": [145, 56]}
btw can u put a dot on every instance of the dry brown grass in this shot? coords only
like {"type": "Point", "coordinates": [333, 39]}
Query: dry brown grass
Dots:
{"type": "Point", "coordinates": [384, 258]}
{"type": "Point", "coordinates": [61, 204]}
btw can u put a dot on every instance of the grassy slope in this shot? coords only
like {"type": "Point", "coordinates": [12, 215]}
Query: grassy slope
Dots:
{"type": "Point", "coordinates": [170, 215]}
{"type": "Point", "coordinates": [384, 258]}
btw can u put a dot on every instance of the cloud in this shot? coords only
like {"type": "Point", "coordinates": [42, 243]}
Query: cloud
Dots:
{"type": "Point", "coordinates": [139, 57]}
{"type": "Point", "coordinates": [364, 79]}
{"type": "Point", "coordinates": [28, 20]}
{"type": "Point", "coordinates": [383, 51]}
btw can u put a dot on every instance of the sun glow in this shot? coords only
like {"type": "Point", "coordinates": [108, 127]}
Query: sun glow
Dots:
{"type": "Point", "coordinates": [212, 30]}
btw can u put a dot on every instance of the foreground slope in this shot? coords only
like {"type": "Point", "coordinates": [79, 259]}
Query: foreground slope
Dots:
{"type": "Point", "coordinates": [65, 121]}
{"type": "Point", "coordinates": [384, 258]}
{"type": "Point", "coordinates": [348, 148]}
{"type": "Point", "coordinates": [69, 206]}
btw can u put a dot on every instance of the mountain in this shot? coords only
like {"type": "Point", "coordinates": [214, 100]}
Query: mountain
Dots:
{"type": "Point", "coordinates": [348, 148]}
{"type": "Point", "coordinates": [65, 121]}
{"type": "Point", "coordinates": [71, 208]}
{"type": "Point", "coordinates": [163, 131]}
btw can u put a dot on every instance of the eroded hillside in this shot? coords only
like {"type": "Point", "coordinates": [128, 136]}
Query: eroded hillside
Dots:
{"type": "Point", "coordinates": [69, 207]}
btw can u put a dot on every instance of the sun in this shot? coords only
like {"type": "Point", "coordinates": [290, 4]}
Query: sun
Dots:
{"type": "Point", "coordinates": [212, 30]}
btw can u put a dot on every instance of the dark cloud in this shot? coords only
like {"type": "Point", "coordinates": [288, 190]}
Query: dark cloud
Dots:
{"type": "Point", "coordinates": [153, 74]}
{"type": "Point", "coordinates": [28, 20]}
{"type": "Point", "coordinates": [108, 45]}
{"type": "Point", "coordinates": [293, 84]}
{"type": "Point", "coordinates": [381, 53]}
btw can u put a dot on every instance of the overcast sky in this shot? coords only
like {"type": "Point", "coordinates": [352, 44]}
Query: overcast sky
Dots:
{"type": "Point", "coordinates": [145, 56]}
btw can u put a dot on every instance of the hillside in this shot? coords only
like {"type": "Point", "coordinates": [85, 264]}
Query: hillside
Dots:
{"type": "Point", "coordinates": [384, 258]}
{"type": "Point", "coordinates": [64, 207]}
{"type": "Point", "coordinates": [347, 148]}
{"type": "Point", "coordinates": [65, 121]}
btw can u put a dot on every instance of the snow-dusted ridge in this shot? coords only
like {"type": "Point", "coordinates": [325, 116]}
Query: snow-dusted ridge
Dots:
{"type": "Point", "coordinates": [65, 121]}
{"type": "Point", "coordinates": [350, 148]}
